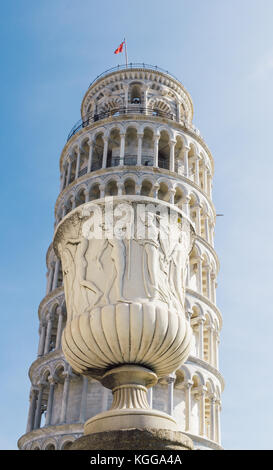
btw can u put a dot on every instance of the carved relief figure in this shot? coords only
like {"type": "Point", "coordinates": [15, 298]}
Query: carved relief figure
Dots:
{"type": "Point", "coordinates": [150, 254]}
{"type": "Point", "coordinates": [118, 256]}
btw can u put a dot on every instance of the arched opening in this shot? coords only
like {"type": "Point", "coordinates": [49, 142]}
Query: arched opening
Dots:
{"type": "Point", "coordinates": [163, 192]}
{"type": "Point", "coordinates": [84, 153]}
{"type": "Point", "coordinates": [146, 188]}
{"type": "Point", "coordinates": [164, 151]}
{"type": "Point", "coordinates": [113, 155]}
{"type": "Point", "coordinates": [178, 197]}
{"type": "Point", "coordinates": [97, 153]}
{"type": "Point", "coordinates": [193, 210]}
{"type": "Point", "coordinates": [135, 93]}
{"type": "Point", "coordinates": [66, 445]}
{"type": "Point", "coordinates": [129, 186]}
{"type": "Point", "coordinates": [69, 205]}
{"type": "Point", "coordinates": [131, 144]}
{"type": "Point", "coordinates": [94, 192]}
{"type": "Point", "coordinates": [50, 447]}
{"type": "Point", "coordinates": [111, 188]}
{"type": "Point", "coordinates": [147, 157]}
{"type": "Point", "coordinates": [160, 108]}
{"type": "Point", "coordinates": [80, 197]}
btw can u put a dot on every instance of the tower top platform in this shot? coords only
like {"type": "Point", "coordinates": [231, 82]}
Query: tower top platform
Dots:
{"type": "Point", "coordinates": [151, 78]}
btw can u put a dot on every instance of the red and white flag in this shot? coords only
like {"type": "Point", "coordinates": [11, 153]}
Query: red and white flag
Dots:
{"type": "Point", "coordinates": [120, 48]}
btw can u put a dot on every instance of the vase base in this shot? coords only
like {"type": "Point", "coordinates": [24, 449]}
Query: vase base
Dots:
{"type": "Point", "coordinates": [129, 418]}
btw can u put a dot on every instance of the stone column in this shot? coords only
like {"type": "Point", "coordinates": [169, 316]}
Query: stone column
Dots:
{"type": "Point", "coordinates": [156, 187]}
{"type": "Point", "coordinates": [48, 334]}
{"type": "Point", "coordinates": [59, 328]}
{"type": "Point", "coordinates": [138, 189]}
{"type": "Point", "coordinates": [66, 376]}
{"type": "Point", "coordinates": [120, 186]}
{"type": "Point", "coordinates": [207, 268]}
{"type": "Point", "coordinates": [122, 149]}
{"type": "Point", "coordinates": [205, 179]}
{"type": "Point", "coordinates": [209, 184]}
{"type": "Point", "coordinates": [73, 202]}
{"type": "Point", "coordinates": [202, 411]}
{"type": "Point", "coordinates": [56, 274]}
{"type": "Point", "coordinates": [198, 221]}
{"type": "Point", "coordinates": [218, 426]}
{"type": "Point", "coordinates": [188, 386]}
{"type": "Point", "coordinates": [86, 196]}
{"type": "Point", "coordinates": [199, 275]}
{"type": "Point", "coordinates": [172, 192]}
{"type": "Point", "coordinates": [172, 145]}
{"type": "Point", "coordinates": [49, 280]}
{"type": "Point", "coordinates": [90, 156]}
{"type": "Point", "coordinates": [139, 148]}
{"type": "Point", "coordinates": [178, 114]}
{"type": "Point", "coordinates": [31, 412]}
{"type": "Point", "coordinates": [201, 337]}
{"type": "Point", "coordinates": [38, 413]}
{"type": "Point", "coordinates": [78, 162]}
{"type": "Point", "coordinates": [102, 190]}
{"type": "Point", "coordinates": [211, 355]}
{"type": "Point", "coordinates": [42, 339]}
{"type": "Point", "coordinates": [186, 205]}
{"type": "Point", "coordinates": [217, 341]}
{"type": "Point", "coordinates": [83, 400]}
{"type": "Point", "coordinates": [186, 161]}
{"type": "Point", "coordinates": [213, 290]}
{"type": "Point", "coordinates": [171, 380]}
{"type": "Point", "coordinates": [63, 177]}
{"type": "Point", "coordinates": [126, 89]}
{"type": "Point", "coordinates": [206, 220]}
{"type": "Point", "coordinates": [212, 418]}
{"type": "Point", "coordinates": [50, 401]}
{"type": "Point", "coordinates": [145, 93]}
{"type": "Point", "coordinates": [68, 176]}
{"type": "Point", "coordinates": [105, 151]}
{"type": "Point", "coordinates": [156, 140]}
{"type": "Point", "coordinates": [196, 173]}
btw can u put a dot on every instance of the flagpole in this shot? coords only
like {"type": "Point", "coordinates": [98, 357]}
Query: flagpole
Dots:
{"type": "Point", "coordinates": [126, 57]}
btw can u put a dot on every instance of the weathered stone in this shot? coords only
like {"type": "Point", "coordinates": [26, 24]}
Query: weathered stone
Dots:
{"type": "Point", "coordinates": [134, 439]}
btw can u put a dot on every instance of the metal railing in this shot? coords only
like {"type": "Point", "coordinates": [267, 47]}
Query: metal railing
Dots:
{"type": "Point", "coordinates": [136, 65]}
{"type": "Point", "coordinates": [90, 118]}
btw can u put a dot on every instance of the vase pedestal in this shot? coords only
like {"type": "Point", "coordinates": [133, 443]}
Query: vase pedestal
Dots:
{"type": "Point", "coordinates": [134, 439]}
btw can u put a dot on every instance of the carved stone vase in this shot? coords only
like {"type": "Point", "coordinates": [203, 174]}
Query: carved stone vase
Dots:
{"type": "Point", "coordinates": [124, 261]}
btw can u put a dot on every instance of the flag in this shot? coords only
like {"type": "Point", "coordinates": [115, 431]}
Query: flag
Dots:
{"type": "Point", "coordinates": [120, 48]}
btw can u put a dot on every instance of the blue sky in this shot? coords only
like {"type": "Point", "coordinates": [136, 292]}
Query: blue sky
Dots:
{"type": "Point", "coordinates": [222, 51]}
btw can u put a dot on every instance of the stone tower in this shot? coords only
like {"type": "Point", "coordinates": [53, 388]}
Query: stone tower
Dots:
{"type": "Point", "coordinates": [135, 137]}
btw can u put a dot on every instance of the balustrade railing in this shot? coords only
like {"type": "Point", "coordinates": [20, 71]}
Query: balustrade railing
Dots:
{"type": "Point", "coordinates": [136, 109]}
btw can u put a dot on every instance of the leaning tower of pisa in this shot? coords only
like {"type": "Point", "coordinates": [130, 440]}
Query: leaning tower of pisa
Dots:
{"type": "Point", "coordinates": [135, 137]}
